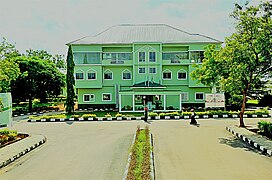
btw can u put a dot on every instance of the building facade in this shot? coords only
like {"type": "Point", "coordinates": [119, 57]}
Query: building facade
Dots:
{"type": "Point", "coordinates": [132, 66]}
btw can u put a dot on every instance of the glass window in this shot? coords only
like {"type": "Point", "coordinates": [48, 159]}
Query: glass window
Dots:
{"type": "Point", "coordinates": [175, 56]}
{"type": "Point", "coordinates": [116, 56]}
{"type": "Point", "coordinates": [167, 75]}
{"type": "Point", "coordinates": [126, 75]}
{"type": "Point", "coordinates": [141, 70]}
{"type": "Point", "coordinates": [197, 56]}
{"type": "Point", "coordinates": [184, 96]}
{"type": "Point", "coordinates": [87, 58]}
{"type": "Point", "coordinates": [182, 75]}
{"type": "Point", "coordinates": [108, 75]}
{"type": "Point", "coordinates": [91, 75]}
{"type": "Point", "coordinates": [152, 70]}
{"type": "Point", "coordinates": [199, 96]}
{"type": "Point", "coordinates": [141, 56]}
{"type": "Point", "coordinates": [106, 97]}
{"type": "Point", "coordinates": [79, 75]}
{"type": "Point", "coordinates": [86, 97]}
{"type": "Point", "coordinates": [152, 56]}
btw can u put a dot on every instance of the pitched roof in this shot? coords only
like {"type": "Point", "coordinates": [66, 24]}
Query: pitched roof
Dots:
{"type": "Point", "coordinates": [147, 84]}
{"type": "Point", "coordinates": [131, 33]}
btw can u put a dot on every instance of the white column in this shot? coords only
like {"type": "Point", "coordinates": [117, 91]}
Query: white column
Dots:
{"type": "Point", "coordinates": [164, 102]}
{"type": "Point", "coordinates": [120, 103]}
{"type": "Point", "coordinates": [180, 105]}
{"type": "Point", "coordinates": [133, 103]}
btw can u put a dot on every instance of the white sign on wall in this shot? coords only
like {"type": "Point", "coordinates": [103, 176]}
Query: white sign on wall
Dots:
{"type": "Point", "coordinates": [215, 100]}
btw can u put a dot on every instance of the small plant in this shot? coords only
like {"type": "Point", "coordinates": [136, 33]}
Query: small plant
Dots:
{"type": "Point", "coordinates": [75, 116]}
{"type": "Point", "coordinates": [152, 114]}
{"type": "Point", "coordinates": [186, 113]}
{"type": "Point", "coordinates": [7, 135]}
{"type": "Point", "coordinates": [119, 115]}
{"type": "Point", "coordinates": [108, 115]}
{"type": "Point", "coordinates": [89, 115]}
{"type": "Point", "coordinates": [265, 128]}
{"type": "Point", "coordinates": [162, 114]}
{"type": "Point", "coordinates": [172, 114]}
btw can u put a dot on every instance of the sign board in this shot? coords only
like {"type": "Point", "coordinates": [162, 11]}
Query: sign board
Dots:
{"type": "Point", "coordinates": [5, 109]}
{"type": "Point", "coordinates": [215, 100]}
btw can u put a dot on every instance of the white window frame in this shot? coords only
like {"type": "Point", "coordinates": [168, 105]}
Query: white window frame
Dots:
{"type": "Point", "coordinates": [108, 94]}
{"type": "Point", "coordinates": [182, 70]}
{"type": "Point", "coordinates": [167, 71]}
{"type": "Point", "coordinates": [91, 99]}
{"type": "Point", "coordinates": [200, 93]}
{"type": "Point", "coordinates": [155, 70]}
{"type": "Point", "coordinates": [139, 57]}
{"type": "Point", "coordinates": [108, 71]}
{"type": "Point", "coordinates": [149, 56]}
{"type": "Point", "coordinates": [139, 70]}
{"type": "Point", "coordinates": [127, 71]}
{"type": "Point", "coordinates": [187, 94]}
{"type": "Point", "coordinates": [91, 71]}
{"type": "Point", "coordinates": [79, 71]}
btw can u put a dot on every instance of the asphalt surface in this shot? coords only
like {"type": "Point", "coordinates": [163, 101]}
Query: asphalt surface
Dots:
{"type": "Point", "coordinates": [99, 150]}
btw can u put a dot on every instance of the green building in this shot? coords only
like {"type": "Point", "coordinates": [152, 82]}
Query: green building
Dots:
{"type": "Point", "coordinates": [132, 66]}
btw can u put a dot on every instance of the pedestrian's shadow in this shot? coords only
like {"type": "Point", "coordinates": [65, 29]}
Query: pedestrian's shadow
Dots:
{"type": "Point", "coordinates": [237, 143]}
{"type": "Point", "coordinates": [69, 122]}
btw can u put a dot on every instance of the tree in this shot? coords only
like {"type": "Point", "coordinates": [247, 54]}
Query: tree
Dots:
{"type": "Point", "coordinates": [246, 58]}
{"type": "Point", "coordinates": [9, 71]}
{"type": "Point", "coordinates": [57, 59]}
{"type": "Point", "coordinates": [7, 50]}
{"type": "Point", "coordinates": [38, 79]}
{"type": "Point", "coordinates": [70, 82]}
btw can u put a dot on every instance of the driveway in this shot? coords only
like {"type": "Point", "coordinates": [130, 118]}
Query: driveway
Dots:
{"type": "Point", "coordinates": [82, 150]}
{"type": "Point", "coordinates": [183, 151]}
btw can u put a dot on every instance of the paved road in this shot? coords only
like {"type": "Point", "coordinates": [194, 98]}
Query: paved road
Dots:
{"type": "Point", "coordinates": [99, 150]}
{"type": "Point", "coordinates": [82, 150]}
{"type": "Point", "coordinates": [207, 152]}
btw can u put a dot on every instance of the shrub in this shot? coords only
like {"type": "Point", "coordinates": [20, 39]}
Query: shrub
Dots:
{"type": "Point", "coordinates": [186, 113]}
{"type": "Point", "coordinates": [58, 116]}
{"type": "Point", "coordinates": [108, 115]}
{"type": "Point", "coordinates": [203, 113]}
{"type": "Point", "coordinates": [162, 114]}
{"type": "Point", "coordinates": [265, 128]}
{"type": "Point", "coordinates": [119, 115]}
{"type": "Point", "coordinates": [152, 114]}
{"type": "Point", "coordinates": [173, 114]}
{"type": "Point", "coordinates": [89, 115]}
{"type": "Point", "coordinates": [233, 113]}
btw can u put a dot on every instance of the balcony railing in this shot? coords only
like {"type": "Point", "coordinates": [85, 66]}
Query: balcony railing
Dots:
{"type": "Point", "coordinates": [117, 62]}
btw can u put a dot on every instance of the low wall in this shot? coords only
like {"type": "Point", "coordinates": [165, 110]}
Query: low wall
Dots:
{"type": "Point", "coordinates": [5, 109]}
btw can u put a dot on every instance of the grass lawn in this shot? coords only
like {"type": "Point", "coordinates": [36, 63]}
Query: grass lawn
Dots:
{"type": "Point", "coordinates": [253, 101]}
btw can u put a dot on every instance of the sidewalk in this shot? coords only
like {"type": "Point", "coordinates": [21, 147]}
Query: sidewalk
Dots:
{"type": "Point", "coordinates": [261, 143]}
{"type": "Point", "coordinates": [11, 152]}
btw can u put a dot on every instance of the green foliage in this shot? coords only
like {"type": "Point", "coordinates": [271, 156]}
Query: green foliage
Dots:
{"type": "Point", "coordinates": [58, 116]}
{"type": "Point", "coordinates": [108, 115]}
{"type": "Point", "coordinates": [185, 113]}
{"type": "Point", "coordinates": [70, 82]}
{"type": "Point", "coordinates": [7, 135]}
{"type": "Point", "coordinates": [152, 114]}
{"type": "Point", "coordinates": [119, 115]}
{"type": "Point", "coordinates": [89, 115]}
{"type": "Point", "coordinates": [246, 57]}
{"type": "Point", "coordinates": [203, 113]}
{"type": "Point", "coordinates": [265, 128]}
{"type": "Point", "coordinates": [162, 114]}
{"type": "Point", "coordinates": [38, 79]}
{"type": "Point", "coordinates": [9, 71]}
{"type": "Point", "coordinates": [139, 167]}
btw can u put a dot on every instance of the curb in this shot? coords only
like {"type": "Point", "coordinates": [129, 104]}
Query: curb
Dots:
{"type": "Point", "coordinates": [252, 143]}
{"type": "Point", "coordinates": [5, 161]}
{"type": "Point", "coordinates": [131, 118]}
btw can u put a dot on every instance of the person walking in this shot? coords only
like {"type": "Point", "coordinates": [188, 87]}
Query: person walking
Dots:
{"type": "Point", "coordinates": [193, 120]}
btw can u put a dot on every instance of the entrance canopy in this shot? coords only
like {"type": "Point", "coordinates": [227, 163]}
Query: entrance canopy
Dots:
{"type": "Point", "coordinates": [147, 84]}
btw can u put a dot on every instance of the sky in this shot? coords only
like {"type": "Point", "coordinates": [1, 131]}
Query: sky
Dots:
{"type": "Point", "coordinates": [50, 24]}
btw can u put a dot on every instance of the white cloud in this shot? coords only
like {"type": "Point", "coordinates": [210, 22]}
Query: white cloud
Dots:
{"type": "Point", "coordinates": [49, 24]}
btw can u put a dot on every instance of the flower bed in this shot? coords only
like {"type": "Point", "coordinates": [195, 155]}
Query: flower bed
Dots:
{"type": "Point", "coordinates": [10, 136]}
{"type": "Point", "coordinates": [140, 162]}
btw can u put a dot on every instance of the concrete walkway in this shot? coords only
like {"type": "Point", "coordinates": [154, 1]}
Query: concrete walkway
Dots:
{"type": "Point", "coordinates": [183, 151]}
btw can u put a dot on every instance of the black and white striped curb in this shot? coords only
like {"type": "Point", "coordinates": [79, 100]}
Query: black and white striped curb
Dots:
{"type": "Point", "coordinates": [23, 151]}
{"type": "Point", "coordinates": [128, 118]}
{"type": "Point", "coordinates": [252, 143]}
